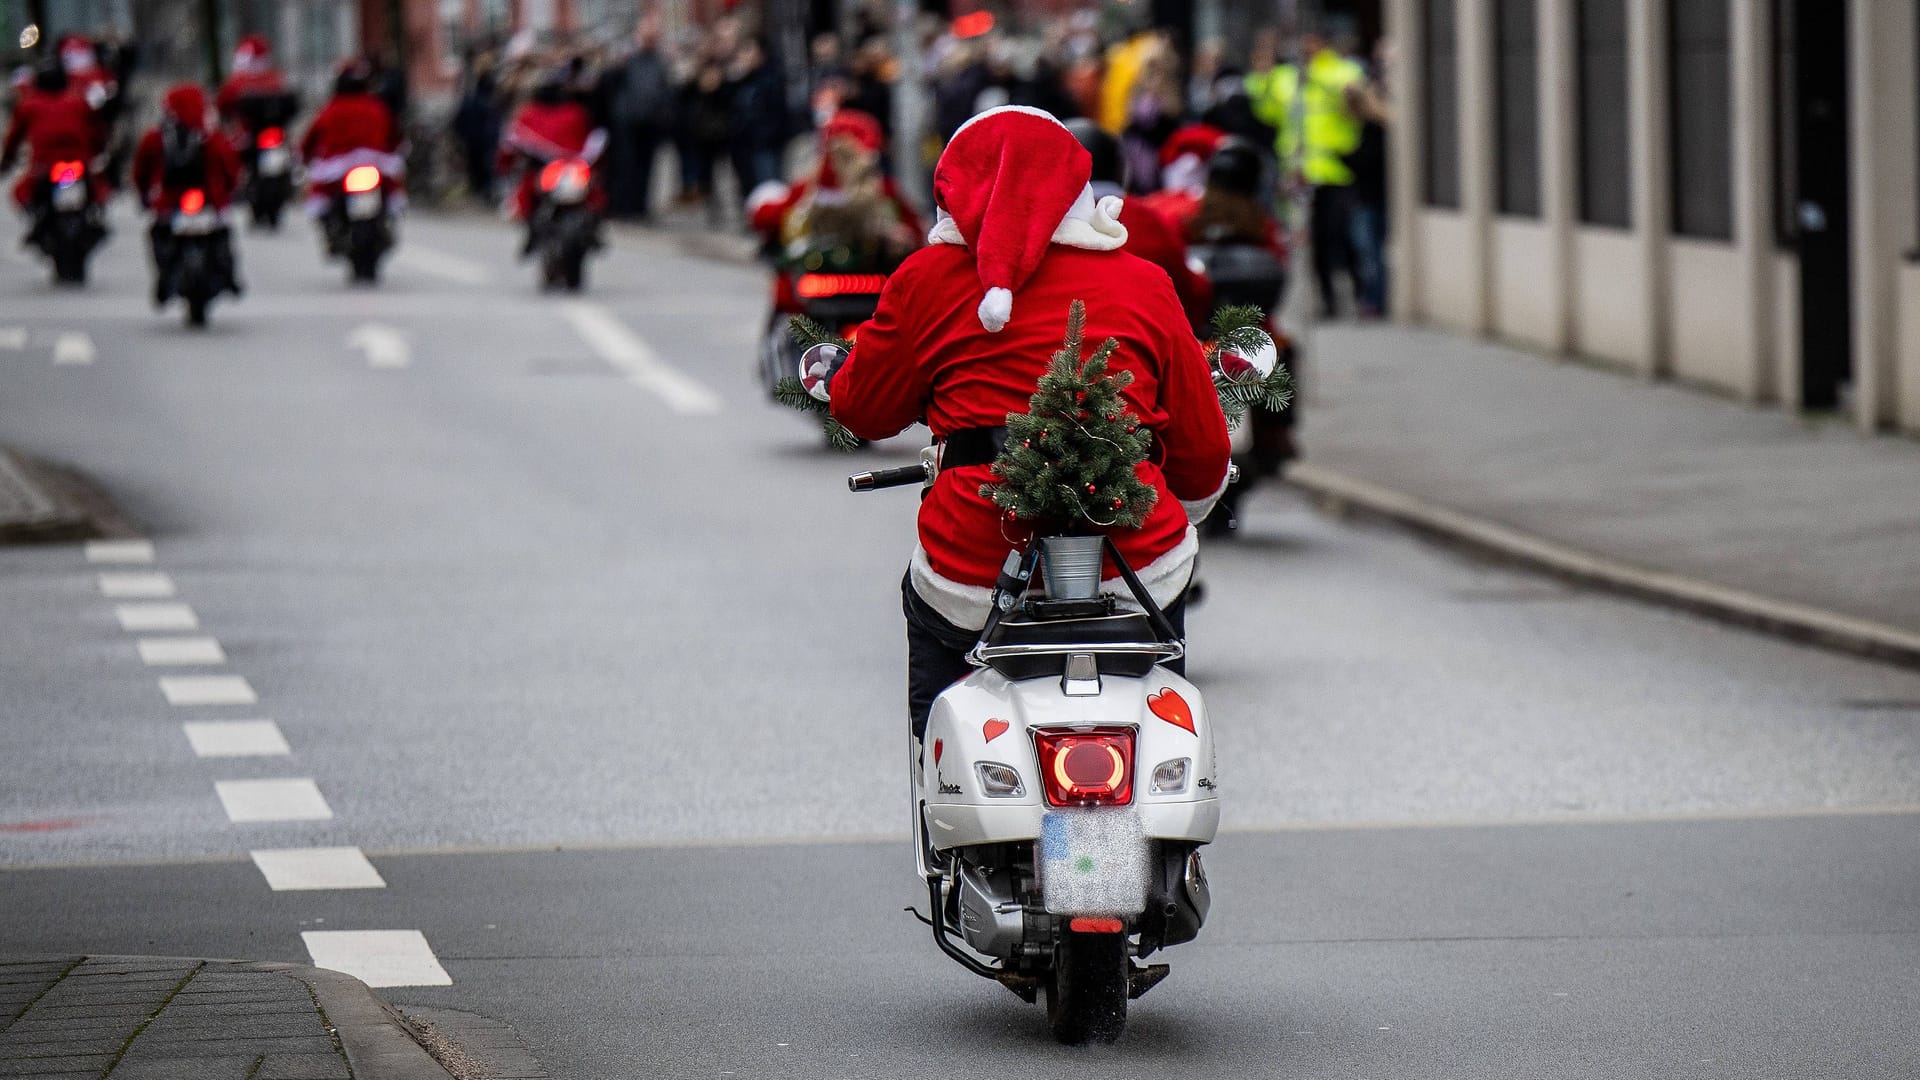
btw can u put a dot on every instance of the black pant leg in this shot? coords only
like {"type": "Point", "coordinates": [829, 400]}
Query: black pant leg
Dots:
{"type": "Point", "coordinates": [936, 655]}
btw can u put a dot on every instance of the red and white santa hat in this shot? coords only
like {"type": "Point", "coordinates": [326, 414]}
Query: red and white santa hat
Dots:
{"type": "Point", "coordinates": [1012, 181]}
{"type": "Point", "coordinates": [1184, 157]}
{"type": "Point", "coordinates": [253, 54]}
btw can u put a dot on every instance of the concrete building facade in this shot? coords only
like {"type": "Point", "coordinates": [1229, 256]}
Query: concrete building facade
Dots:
{"type": "Point", "coordinates": [1724, 193]}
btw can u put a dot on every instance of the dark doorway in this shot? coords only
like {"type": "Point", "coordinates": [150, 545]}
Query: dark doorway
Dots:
{"type": "Point", "coordinates": [1821, 217]}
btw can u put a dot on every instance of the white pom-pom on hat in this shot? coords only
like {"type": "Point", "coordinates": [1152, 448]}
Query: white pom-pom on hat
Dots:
{"type": "Point", "coordinates": [996, 309]}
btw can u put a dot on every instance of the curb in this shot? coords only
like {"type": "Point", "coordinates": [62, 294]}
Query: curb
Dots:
{"type": "Point", "coordinates": [36, 510]}
{"type": "Point", "coordinates": [1797, 622]}
{"type": "Point", "coordinates": [378, 1043]}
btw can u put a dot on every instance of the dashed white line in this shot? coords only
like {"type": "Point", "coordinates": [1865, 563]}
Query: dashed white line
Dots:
{"type": "Point", "coordinates": [119, 551]}
{"type": "Point", "coordinates": [290, 799]}
{"type": "Point", "coordinates": [442, 265]}
{"type": "Point", "coordinates": [236, 738]}
{"type": "Point", "coordinates": [207, 690]}
{"type": "Point", "coordinates": [180, 650]}
{"type": "Point", "coordinates": [385, 346]}
{"type": "Point", "coordinates": [148, 618]}
{"type": "Point", "coordinates": [380, 958]}
{"type": "Point", "coordinates": [136, 585]}
{"type": "Point", "coordinates": [13, 338]}
{"type": "Point", "coordinates": [73, 347]}
{"type": "Point", "coordinates": [624, 349]}
{"type": "Point", "coordinates": [303, 869]}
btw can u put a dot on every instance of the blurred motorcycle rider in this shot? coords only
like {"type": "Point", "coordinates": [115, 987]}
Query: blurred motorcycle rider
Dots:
{"type": "Point", "coordinates": [55, 125]}
{"type": "Point", "coordinates": [253, 95]}
{"type": "Point", "coordinates": [1150, 235]}
{"type": "Point", "coordinates": [552, 126]}
{"type": "Point", "coordinates": [180, 154]}
{"type": "Point", "coordinates": [847, 202]}
{"type": "Point", "coordinates": [354, 128]}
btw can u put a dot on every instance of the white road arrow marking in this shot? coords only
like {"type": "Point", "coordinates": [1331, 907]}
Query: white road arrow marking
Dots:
{"type": "Point", "coordinates": [642, 366]}
{"type": "Point", "coordinates": [13, 337]}
{"type": "Point", "coordinates": [385, 347]}
{"type": "Point", "coordinates": [73, 347]}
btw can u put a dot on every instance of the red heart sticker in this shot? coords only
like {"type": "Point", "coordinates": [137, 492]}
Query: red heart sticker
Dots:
{"type": "Point", "coordinates": [938, 745]}
{"type": "Point", "coordinates": [1168, 705]}
{"type": "Point", "coordinates": [993, 729]}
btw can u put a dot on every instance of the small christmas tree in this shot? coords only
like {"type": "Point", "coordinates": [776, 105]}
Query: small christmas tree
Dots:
{"type": "Point", "coordinates": [1072, 458]}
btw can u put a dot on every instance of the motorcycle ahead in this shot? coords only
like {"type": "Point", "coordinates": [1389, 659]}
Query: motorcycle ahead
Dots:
{"type": "Point", "coordinates": [269, 175]}
{"type": "Point", "coordinates": [194, 255]}
{"type": "Point", "coordinates": [67, 222]}
{"type": "Point", "coordinates": [562, 222]}
{"type": "Point", "coordinates": [1064, 788]}
{"type": "Point", "coordinates": [356, 225]}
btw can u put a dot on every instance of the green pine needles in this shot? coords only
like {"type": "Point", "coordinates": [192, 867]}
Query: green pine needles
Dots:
{"type": "Point", "coordinates": [790, 393]}
{"type": "Point", "coordinates": [1239, 330]}
{"type": "Point", "coordinates": [1072, 458]}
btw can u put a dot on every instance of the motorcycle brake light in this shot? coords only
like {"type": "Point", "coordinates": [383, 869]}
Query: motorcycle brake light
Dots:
{"type": "Point", "coordinates": [1086, 768]}
{"type": "Point", "coordinates": [66, 172]}
{"type": "Point", "coordinates": [192, 201]}
{"type": "Point", "coordinates": [361, 178]}
{"type": "Point", "coordinates": [815, 286]}
{"type": "Point", "coordinates": [567, 171]}
{"type": "Point", "coordinates": [1094, 924]}
{"type": "Point", "coordinates": [270, 138]}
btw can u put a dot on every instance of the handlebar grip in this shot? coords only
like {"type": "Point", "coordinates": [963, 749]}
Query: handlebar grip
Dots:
{"type": "Point", "coordinates": [886, 478]}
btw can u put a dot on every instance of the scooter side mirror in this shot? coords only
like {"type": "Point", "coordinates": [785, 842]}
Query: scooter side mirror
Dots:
{"type": "Point", "coordinates": [1249, 365]}
{"type": "Point", "coordinates": [817, 367]}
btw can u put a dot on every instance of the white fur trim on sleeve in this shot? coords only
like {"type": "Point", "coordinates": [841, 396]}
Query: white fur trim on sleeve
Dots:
{"type": "Point", "coordinates": [765, 193]}
{"type": "Point", "coordinates": [996, 309]}
{"type": "Point", "coordinates": [966, 606]}
{"type": "Point", "coordinates": [1198, 509]}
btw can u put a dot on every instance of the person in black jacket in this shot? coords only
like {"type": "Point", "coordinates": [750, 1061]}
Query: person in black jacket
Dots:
{"type": "Point", "coordinates": [759, 134]}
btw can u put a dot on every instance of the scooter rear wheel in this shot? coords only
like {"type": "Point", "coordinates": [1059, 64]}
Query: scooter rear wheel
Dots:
{"type": "Point", "coordinates": [1087, 997]}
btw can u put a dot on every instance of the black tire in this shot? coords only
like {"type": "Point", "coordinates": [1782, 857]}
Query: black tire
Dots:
{"type": "Point", "coordinates": [573, 270]}
{"type": "Point", "coordinates": [1087, 997]}
{"type": "Point", "coordinates": [70, 267]}
{"type": "Point", "coordinates": [197, 311]}
{"type": "Point", "coordinates": [365, 264]}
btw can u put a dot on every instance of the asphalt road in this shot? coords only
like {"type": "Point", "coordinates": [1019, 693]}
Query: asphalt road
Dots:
{"type": "Point", "coordinates": [590, 652]}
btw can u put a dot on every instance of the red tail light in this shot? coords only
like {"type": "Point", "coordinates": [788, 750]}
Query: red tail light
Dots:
{"type": "Point", "coordinates": [815, 286]}
{"type": "Point", "coordinates": [67, 172]}
{"type": "Point", "coordinates": [270, 138]}
{"type": "Point", "coordinates": [361, 178]}
{"type": "Point", "coordinates": [1087, 768]}
{"type": "Point", "coordinates": [192, 201]}
{"type": "Point", "coordinates": [566, 171]}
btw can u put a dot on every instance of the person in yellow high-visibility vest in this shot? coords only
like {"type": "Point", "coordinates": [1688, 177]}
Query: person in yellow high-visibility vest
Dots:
{"type": "Point", "coordinates": [1316, 129]}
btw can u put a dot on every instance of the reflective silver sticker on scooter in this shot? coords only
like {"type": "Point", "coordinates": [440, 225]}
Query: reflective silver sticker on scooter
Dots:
{"type": "Point", "coordinates": [1093, 861]}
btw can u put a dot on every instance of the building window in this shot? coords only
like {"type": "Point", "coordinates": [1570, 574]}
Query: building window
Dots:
{"type": "Point", "coordinates": [1606, 190]}
{"type": "Point", "coordinates": [1701, 136]}
{"type": "Point", "coordinates": [1442, 94]}
{"type": "Point", "coordinates": [1516, 48]}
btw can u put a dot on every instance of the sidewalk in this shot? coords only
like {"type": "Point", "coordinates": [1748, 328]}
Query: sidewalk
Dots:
{"type": "Point", "coordinates": [167, 1018]}
{"type": "Point", "coordinates": [1744, 512]}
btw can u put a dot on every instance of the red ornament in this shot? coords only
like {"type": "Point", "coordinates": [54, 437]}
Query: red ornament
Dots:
{"type": "Point", "coordinates": [1093, 489]}
{"type": "Point", "coordinates": [1118, 503]}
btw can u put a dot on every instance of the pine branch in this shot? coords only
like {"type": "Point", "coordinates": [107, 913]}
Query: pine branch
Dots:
{"type": "Point", "coordinates": [809, 333]}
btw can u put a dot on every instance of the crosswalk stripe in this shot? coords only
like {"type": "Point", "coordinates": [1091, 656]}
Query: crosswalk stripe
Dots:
{"type": "Point", "coordinates": [180, 650]}
{"type": "Point", "coordinates": [379, 958]}
{"type": "Point", "coordinates": [207, 690]}
{"type": "Point", "coordinates": [119, 551]}
{"type": "Point", "coordinates": [308, 869]}
{"type": "Point", "coordinates": [236, 738]}
{"type": "Point", "coordinates": [286, 799]}
{"type": "Point", "coordinates": [136, 585]}
{"type": "Point", "coordinates": [147, 618]}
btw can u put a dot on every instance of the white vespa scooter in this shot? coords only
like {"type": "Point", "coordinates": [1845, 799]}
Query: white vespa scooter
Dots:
{"type": "Point", "coordinates": [1065, 787]}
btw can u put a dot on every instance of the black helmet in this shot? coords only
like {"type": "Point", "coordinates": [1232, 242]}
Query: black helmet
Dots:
{"type": "Point", "coordinates": [354, 77]}
{"type": "Point", "coordinates": [1235, 168]}
{"type": "Point", "coordinates": [1108, 166]}
{"type": "Point", "coordinates": [551, 89]}
{"type": "Point", "coordinates": [50, 76]}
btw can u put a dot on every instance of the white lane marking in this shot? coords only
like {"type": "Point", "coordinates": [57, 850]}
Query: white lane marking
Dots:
{"type": "Point", "coordinates": [300, 869]}
{"type": "Point", "coordinates": [442, 265]}
{"type": "Point", "coordinates": [73, 347]}
{"type": "Point", "coordinates": [385, 346]}
{"type": "Point", "coordinates": [136, 585]}
{"type": "Point", "coordinates": [155, 651]}
{"type": "Point", "coordinates": [140, 618]}
{"type": "Point", "coordinates": [379, 958]}
{"type": "Point", "coordinates": [236, 738]}
{"type": "Point", "coordinates": [119, 551]}
{"type": "Point", "coordinates": [207, 690]}
{"type": "Point", "coordinates": [13, 337]}
{"type": "Point", "coordinates": [643, 367]}
{"type": "Point", "coordinates": [291, 799]}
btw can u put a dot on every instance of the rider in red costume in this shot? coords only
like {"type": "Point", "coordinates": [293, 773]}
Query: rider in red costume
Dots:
{"type": "Point", "coordinates": [355, 128]}
{"type": "Point", "coordinates": [180, 154]}
{"type": "Point", "coordinates": [253, 76]}
{"type": "Point", "coordinates": [551, 126]}
{"type": "Point", "coordinates": [55, 125]}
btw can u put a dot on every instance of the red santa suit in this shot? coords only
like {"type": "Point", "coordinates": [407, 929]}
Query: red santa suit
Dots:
{"type": "Point", "coordinates": [353, 129]}
{"type": "Point", "coordinates": [769, 206]}
{"type": "Point", "coordinates": [543, 132]}
{"type": "Point", "coordinates": [253, 76]}
{"type": "Point", "coordinates": [1018, 218]}
{"type": "Point", "coordinates": [220, 163]}
{"type": "Point", "coordinates": [53, 128]}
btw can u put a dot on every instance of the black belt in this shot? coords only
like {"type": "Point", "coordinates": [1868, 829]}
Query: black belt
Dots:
{"type": "Point", "coordinates": [972, 446]}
